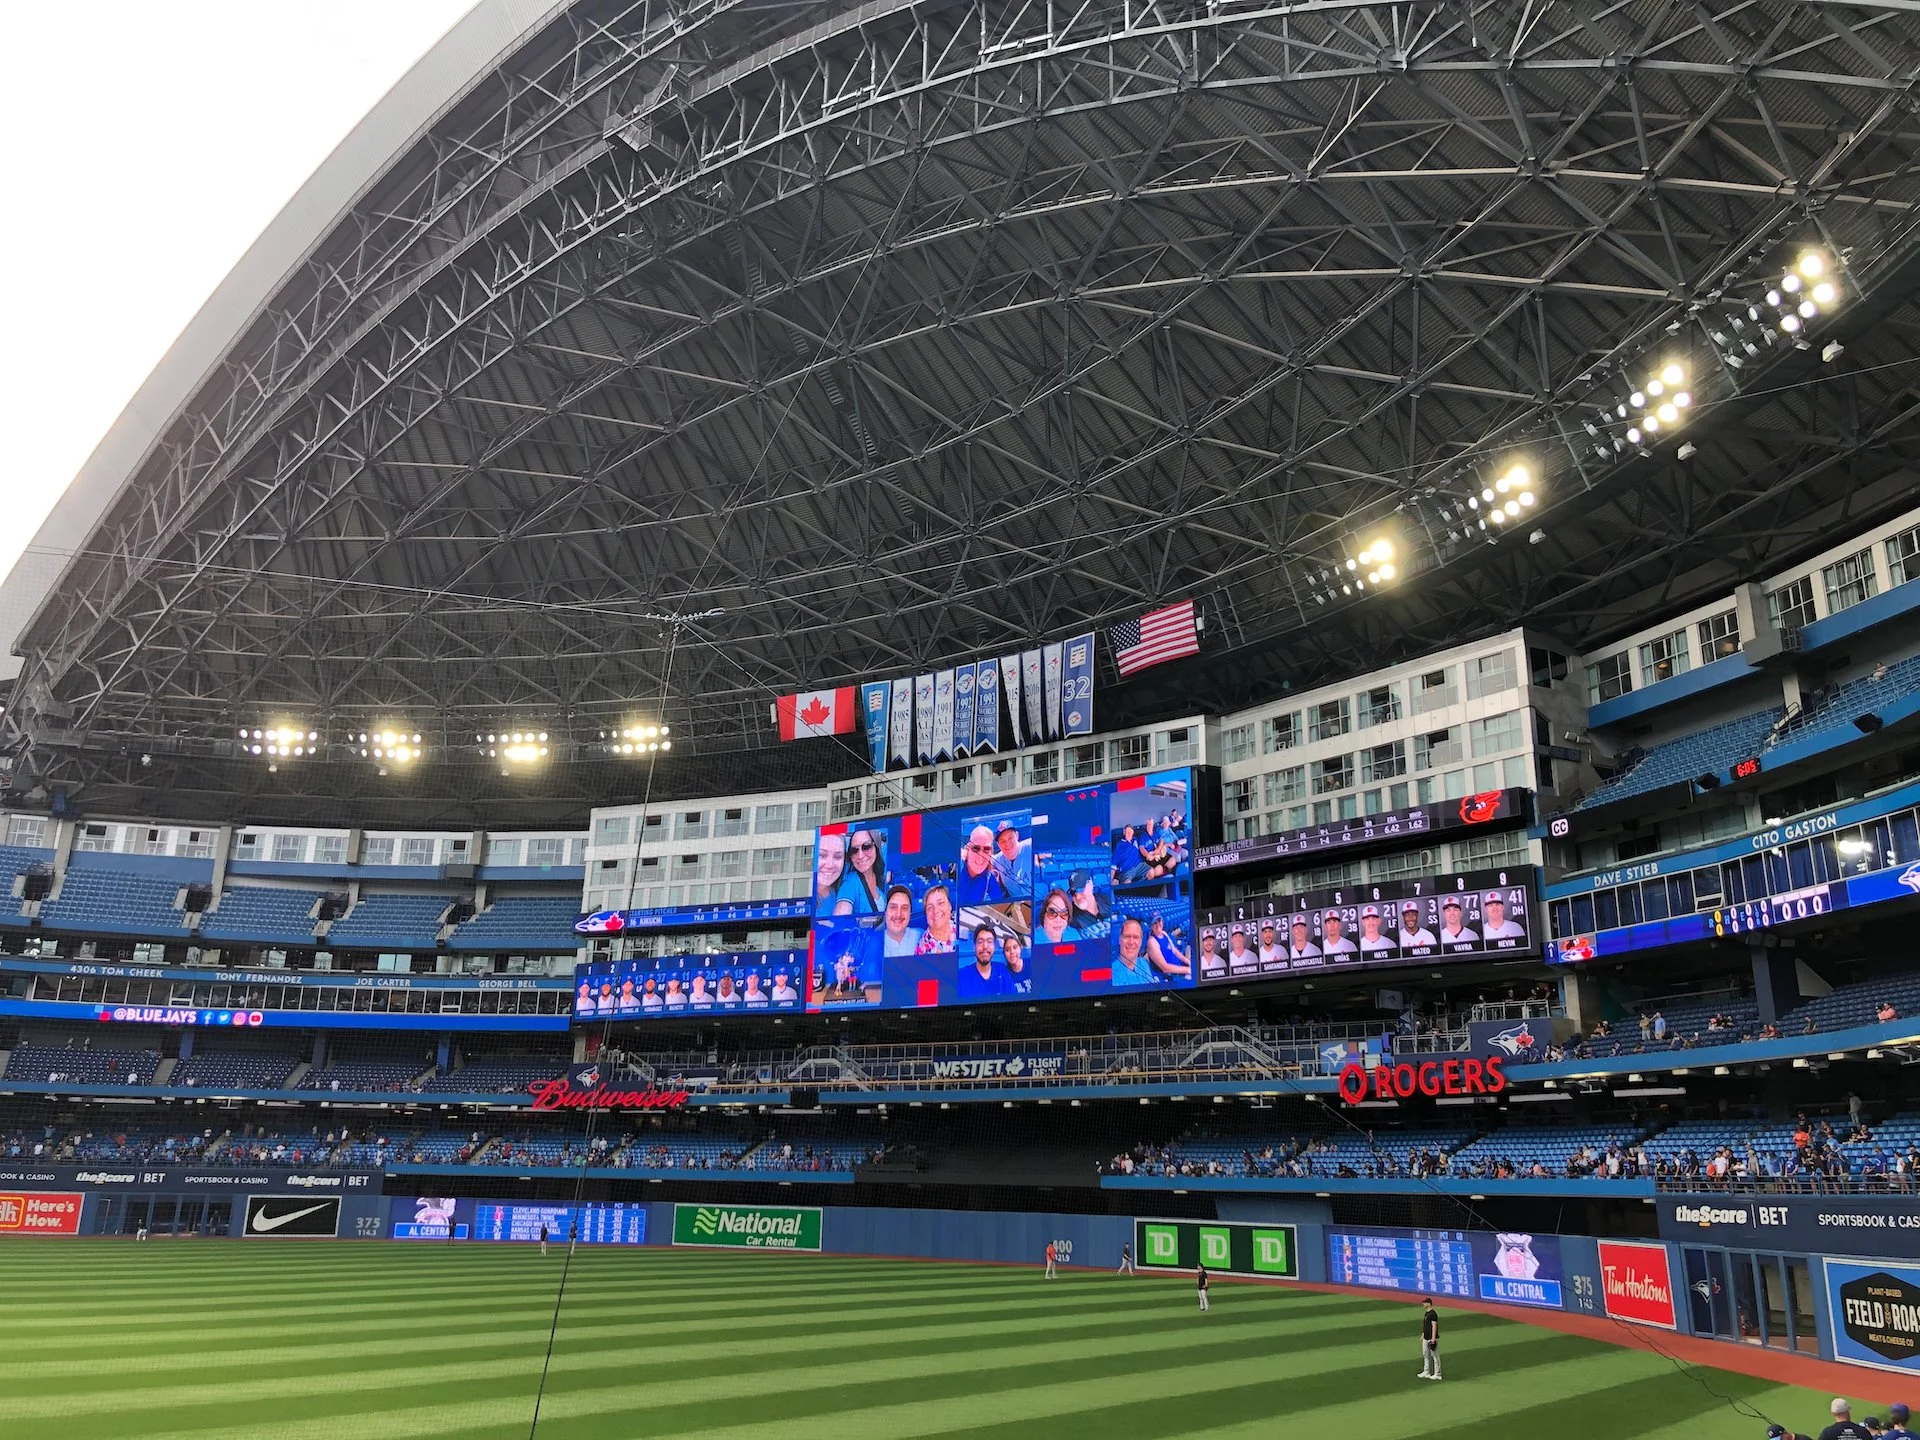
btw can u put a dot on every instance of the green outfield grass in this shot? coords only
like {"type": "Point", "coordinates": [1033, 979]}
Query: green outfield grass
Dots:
{"type": "Point", "coordinates": [264, 1340]}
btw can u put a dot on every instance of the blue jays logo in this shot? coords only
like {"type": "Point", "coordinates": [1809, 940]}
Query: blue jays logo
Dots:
{"type": "Point", "coordinates": [584, 1077]}
{"type": "Point", "coordinates": [965, 682]}
{"type": "Point", "coordinates": [602, 922]}
{"type": "Point", "coordinates": [989, 677]}
{"type": "Point", "coordinates": [1515, 1040]}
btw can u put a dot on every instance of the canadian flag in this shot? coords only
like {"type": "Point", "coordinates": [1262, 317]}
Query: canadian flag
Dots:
{"type": "Point", "coordinates": [817, 712]}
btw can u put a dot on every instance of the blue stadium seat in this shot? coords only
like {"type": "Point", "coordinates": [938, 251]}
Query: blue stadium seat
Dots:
{"type": "Point", "coordinates": [390, 922]}
{"type": "Point", "coordinates": [262, 915]}
{"type": "Point", "coordinates": [111, 902]}
{"type": "Point", "coordinates": [522, 922]}
{"type": "Point", "coordinates": [1704, 751]}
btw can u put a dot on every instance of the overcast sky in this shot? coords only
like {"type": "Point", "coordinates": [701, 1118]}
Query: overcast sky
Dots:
{"type": "Point", "coordinates": [147, 153]}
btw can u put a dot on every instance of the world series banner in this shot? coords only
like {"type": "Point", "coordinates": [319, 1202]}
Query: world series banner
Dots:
{"type": "Point", "coordinates": [963, 712]}
{"type": "Point", "coordinates": [986, 706]}
{"type": "Point", "coordinates": [875, 698]}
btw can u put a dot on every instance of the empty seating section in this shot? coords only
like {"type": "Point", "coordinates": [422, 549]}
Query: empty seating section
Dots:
{"type": "Point", "coordinates": [1705, 751]}
{"type": "Point", "coordinates": [390, 922]}
{"type": "Point", "coordinates": [262, 915]}
{"type": "Point", "coordinates": [1836, 707]}
{"type": "Point", "coordinates": [495, 1077]}
{"type": "Point", "coordinates": [111, 902]}
{"type": "Point", "coordinates": [374, 1072]}
{"type": "Point", "coordinates": [236, 1070]}
{"type": "Point", "coordinates": [13, 860]}
{"type": "Point", "coordinates": [57, 1063]}
{"type": "Point", "coordinates": [522, 922]}
{"type": "Point", "coordinates": [1851, 1005]}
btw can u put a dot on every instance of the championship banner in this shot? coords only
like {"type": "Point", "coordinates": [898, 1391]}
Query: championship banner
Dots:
{"type": "Point", "coordinates": [1030, 687]}
{"type": "Point", "coordinates": [1231, 1249]}
{"type": "Point", "coordinates": [875, 698]}
{"type": "Point", "coordinates": [1056, 661]}
{"type": "Point", "coordinates": [1873, 1313]}
{"type": "Point", "coordinates": [943, 714]}
{"type": "Point", "coordinates": [986, 706]}
{"type": "Point", "coordinates": [747, 1227]}
{"type": "Point", "coordinates": [1010, 683]}
{"type": "Point", "coordinates": [901, 747]}
{"type": "Point", "coordinates": [1076, 695]}
{"type": "Point", "coordinates": [963, 712]}
{"type": "Point", "coordinates": [923, 717]}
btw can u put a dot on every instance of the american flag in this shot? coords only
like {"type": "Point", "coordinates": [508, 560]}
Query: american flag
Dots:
{"type": "Point", "coordinates": [1156, 637]}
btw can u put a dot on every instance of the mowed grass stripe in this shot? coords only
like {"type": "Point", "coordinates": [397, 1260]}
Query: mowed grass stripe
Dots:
{"type": "Point", "coordinates": [447, 1342]}
{"type": "Point", "coordinates": [817, 1401]}
{"type": "Point", "coordinates": [1124, 1314]}
{"type": "Point", "coordinates": [885, 1354]}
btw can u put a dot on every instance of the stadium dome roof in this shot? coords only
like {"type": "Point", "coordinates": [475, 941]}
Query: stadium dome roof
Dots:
{"type": "Point", "coordinates": [656, 359]}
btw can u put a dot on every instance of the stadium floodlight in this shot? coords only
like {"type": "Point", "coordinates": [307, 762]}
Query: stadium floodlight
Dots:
{"type": "Point", "coordinates": [282, 740]}
{"type": "Point", "coordinates": [519, 749]}
{"type": "Point", "coordinates": [638, 739]}
{"type": "Point", "coordinates": [388, 746]}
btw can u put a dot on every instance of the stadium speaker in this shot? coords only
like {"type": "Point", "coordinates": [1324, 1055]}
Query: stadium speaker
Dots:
{"type": "Point", "coordinates": [330, 907]}
{"type": "Point", "coordinates": [1868, 723]}
{"type": "Point", "coordinates": [39, 883]}
{"type": "Point", "coordinates": [804, 1099]}
{"type": "Point", "coordinates": [1708, 781]}
{"type": "Point", "coordinates": [456, 872]}
{"type": "Point", "coordinates": [199, 897]}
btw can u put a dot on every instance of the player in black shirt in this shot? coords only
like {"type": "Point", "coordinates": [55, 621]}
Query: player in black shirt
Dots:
{"type": "Point", "coordinates": [1780, 1432]}
{"type": "Point", "coordinates": [1844, 1426]}
{"type": "Point", "coordinates": [1429, 1341]}
{"type": "Point", "coordinates": [1200, 1280]}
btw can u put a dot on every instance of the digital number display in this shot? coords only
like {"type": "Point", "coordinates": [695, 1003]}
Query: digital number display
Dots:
{"type": "Point", "coordinates": [1509, 1268]}
{"type": "Point", "coordinates": [598, 1224]}
{"type": "Point", "coordinates": [1484, 808]}
{"type": "Point", "coordinates": [1771, 910]}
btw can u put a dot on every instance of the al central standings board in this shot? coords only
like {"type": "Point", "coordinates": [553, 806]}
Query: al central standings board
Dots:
{"type": "Point", "coordinates": [1077, 892]}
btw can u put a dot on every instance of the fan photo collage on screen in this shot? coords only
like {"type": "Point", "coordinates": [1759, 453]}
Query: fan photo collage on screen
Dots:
{"type": "Point", "coordinates": [1077, 892]}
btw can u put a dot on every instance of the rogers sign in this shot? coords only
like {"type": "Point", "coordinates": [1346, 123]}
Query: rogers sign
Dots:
{"type": "Point", "coordinates": [1464, 1076]}
{"type": "Point", "coordinates": [560, 1095]}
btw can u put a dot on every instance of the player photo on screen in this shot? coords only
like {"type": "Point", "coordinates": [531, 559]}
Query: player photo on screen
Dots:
{"type": "Point", "coordinates": [1212, 961]}
{"type": "Point", "coordinates": [1376, 940]}
{"type": "Point", "coordinates": [1152, 841]}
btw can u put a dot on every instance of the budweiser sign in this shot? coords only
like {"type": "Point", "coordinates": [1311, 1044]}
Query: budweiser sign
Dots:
{"type": "Point", "coordinates": [1637, 1284]}
{"type": "Point", "coordinates": [561, 1095]}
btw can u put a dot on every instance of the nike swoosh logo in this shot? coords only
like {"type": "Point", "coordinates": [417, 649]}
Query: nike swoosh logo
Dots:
{"type": "Point", "coordinates": [263, 1223]}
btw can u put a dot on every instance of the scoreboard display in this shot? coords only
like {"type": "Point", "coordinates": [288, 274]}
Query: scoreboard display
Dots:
{"type": "Point", "coordinates": [1486, 809]}
{"type": "Point", "coordinates": [1403, 922]}
{"type": "Point", "coordinates": [1507, 1268]}
{"type": "Point", "coordinates": [599, 1224]}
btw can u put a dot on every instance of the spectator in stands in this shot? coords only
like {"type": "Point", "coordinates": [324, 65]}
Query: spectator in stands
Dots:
{"type": "Point", "coordinates": [900, 938]}
{"type": "Point", "coordinates": [1885, 1012]}
{"type": "Point", "coordinates": [830, 867]}
{"type": "Point", "coordinates": [1089, 916]}
{"type": "Point", "coordinates": [1129, 963]}
{"type": "Point", "coordinates": [1013, 864]}
{"type": "Point", "coordinates": [1659, 1026]}
{"type": "Point", "coordinates": [1130, 865]}
{"type": "Point", "coordinates": [864, 888]}
{"type": "Point", "coordinates": [940, 937]}
{"type": "Point", "coordinates": [1056, 912]}
{"type": "Point", "coordinates": [978, 884]}
{"type": "Point", "coordinates": [983, 980]}
{"type": "Point", "coordinates": [1166, 957]}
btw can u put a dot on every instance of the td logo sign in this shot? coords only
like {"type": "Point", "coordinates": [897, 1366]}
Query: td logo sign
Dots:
{"type": "Point", "coordinates": [1231, 1248]}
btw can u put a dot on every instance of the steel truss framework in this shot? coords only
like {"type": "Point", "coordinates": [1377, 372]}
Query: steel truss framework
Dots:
{"type": "Point", "coordinates": [896, 334]}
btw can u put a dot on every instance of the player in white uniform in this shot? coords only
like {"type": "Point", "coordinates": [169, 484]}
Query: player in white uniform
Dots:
{"type": "Point", "coordinates": [1412, 932]}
